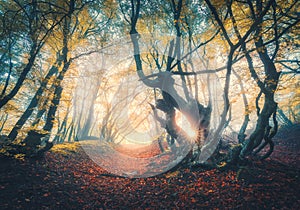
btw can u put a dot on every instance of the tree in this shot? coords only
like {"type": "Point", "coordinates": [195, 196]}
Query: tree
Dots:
{"type": "Point", "coordinates": [31, 23]}
{"type": "Point", "coordinates": [266, 45]}
{"type": "Point", "coordinates": [66, 36]}
{"type": "Point", "coordinates": [171, 100]}
{"type": "Point", "coordinates": [256, 41]}
{"type": "Point", "coordinates": [242, 41]}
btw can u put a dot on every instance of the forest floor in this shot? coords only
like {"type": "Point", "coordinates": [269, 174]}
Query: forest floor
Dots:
{"type": "Point", "coordinates": [66, 178]}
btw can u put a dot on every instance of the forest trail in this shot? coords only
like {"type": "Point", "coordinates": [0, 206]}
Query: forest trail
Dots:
{"type": "Point", "coordinates": [287, 146]}
{"type": "Point", "coordinates": [134, 161]}
{"type": "Point", "coordinates": [66, 178]}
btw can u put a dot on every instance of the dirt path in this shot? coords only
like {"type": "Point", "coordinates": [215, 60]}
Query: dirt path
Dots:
{"type": "Point", "coordinates": [68, 179]}
{"type": "Point", "coordinates": [75, 182]}
{"type": "Point", "coordinates": [132, 160]}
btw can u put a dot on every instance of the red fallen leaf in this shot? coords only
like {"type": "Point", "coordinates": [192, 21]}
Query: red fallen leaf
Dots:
{"type": "Point", "coordinates": [46, 194]}
{"type": "Point", "coordinates": [193, 200]}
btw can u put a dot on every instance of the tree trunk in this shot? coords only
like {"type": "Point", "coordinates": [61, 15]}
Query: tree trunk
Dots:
{"type": "Point", "coordinates": [33, 53]}
{"type": "Point", "coordinates": [196, 114]}
{"type": "Point", "coordinates": [34, 102]}
{"type": "Point", "coordinates": [56, 99]}
{"type": "Point", "coordinates": [286, 120]}
{"type": "Point", "coordinates": [37, 136]}
{"type": "Point", "coordinates": [88, 122]}
{"type": "Point", "coordinates": [262, 130]}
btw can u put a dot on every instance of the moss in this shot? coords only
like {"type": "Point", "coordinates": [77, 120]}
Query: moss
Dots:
{"type": "Point", "coordinates": [20, 156]}
{"type": "Point", "coordinates": [65, 148]}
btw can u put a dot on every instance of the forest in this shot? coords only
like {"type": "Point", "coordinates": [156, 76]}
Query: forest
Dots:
{"type": "Point", "coordinates": [147, 104]}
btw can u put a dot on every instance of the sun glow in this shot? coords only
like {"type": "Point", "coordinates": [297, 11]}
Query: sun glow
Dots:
{"type": "Point", "coordinates": [185, 125]}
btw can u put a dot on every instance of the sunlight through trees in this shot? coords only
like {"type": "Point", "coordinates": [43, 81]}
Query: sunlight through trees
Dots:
{"type": "Point", "coordinates": [173, 73]}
